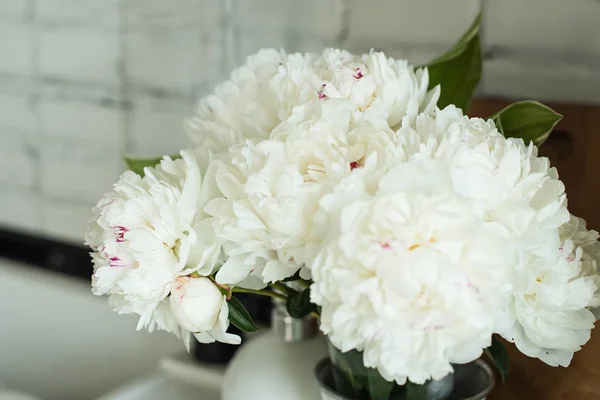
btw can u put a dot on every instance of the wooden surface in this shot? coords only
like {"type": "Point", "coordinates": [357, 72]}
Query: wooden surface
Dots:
{"type": "Point", "coordinates": [574, 149]}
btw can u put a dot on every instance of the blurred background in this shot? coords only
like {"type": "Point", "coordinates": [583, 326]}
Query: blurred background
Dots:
{"type": "Point", "coordinates": [84, 81]}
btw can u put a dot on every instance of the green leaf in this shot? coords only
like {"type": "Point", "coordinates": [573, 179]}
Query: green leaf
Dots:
{"type": "Point", "coordinates": [497, 353]}
{"type": "Point", "coordinates": [379, 388]}
{"type": "Point", "coordinates": [415, 391]}
{"type": "Point", "coordinates": [239, 316]}
{"type": "Point", "coordinates": [461, 44]}
{"type": "Point", "coordinates": [137, 165]}
{"type": "Point", "coordinates": [298, 305]}
{"type": "Point", "coordinates": [528, 120]}
{"type": "Point", "coordinates": [458, 71]}
{"type": "Point", "coordinates": [349, 371]}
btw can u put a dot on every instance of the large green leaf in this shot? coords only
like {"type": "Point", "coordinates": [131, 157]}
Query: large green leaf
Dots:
{"type": "Point", "coordinates": [497, 353]}
{"type": "Point", "coordinates": [350, 373]}
{"type": "Point", "coordinates": [137, 165]}
{"type": "Point", "coordinates": [415, 391]}
{"type": "Point", "coordinates": [298, 305]}
{"type": "Point", "coordinates": [458, 71]}
{"type": "Point", "coordinates": [378, 387]}
{"type": "Point", "coordinates": [239, 316]}
{"type": "Point", "coordinates": [528, 120]}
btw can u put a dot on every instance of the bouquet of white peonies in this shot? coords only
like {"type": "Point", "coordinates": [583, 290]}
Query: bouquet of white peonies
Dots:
{"type": "Point", "coordinates": [417, 232]}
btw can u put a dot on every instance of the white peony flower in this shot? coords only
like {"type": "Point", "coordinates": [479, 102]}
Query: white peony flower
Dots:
{"type": "Point", "coordinates": [555, 277]}
{"type": "Point", "coordinates": [550, 316]}
{"type": "Point", "coordinates": [271, 189]}
{"type": "Point", "coordinates": [376, 87]}
{"type": "Point", "coordinates": [199, 307]}
{"type": "Point", "coordinates": [264, 215]}
{"type": "Point", "coordinates": [410, 275]}
{"type": "Point", "coordinates": [150, 230]}
{"type": "Point", "coordinates": [320, 141]}
{"type": "Point", "coordinates": [459, 235]}
{"type": "Point", "coordinates": [267, 89]}
{"type": "Point", "coordinates": [258, 96]}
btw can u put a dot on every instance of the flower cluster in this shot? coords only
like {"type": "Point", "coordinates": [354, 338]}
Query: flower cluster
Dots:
{"type": "Point", "coordinates": [423, 231]}
{"type": "Point", "coordinates": [153, 246]}
{"type": "Point", "coordinates": [271, 85]}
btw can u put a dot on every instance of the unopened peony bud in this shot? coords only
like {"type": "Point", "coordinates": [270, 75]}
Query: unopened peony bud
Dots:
{"type": "Point", "coordinates": [196, 303]}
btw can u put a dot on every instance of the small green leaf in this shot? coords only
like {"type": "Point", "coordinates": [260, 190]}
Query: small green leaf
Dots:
{"type": "Point", "coordinates": [458, 71]}
{"type": "Point", "coordinates": [239, 316]}
{"type": "Point", "coordinates": [497, 353]}
{"type": "Point", "coordinates": [528, 120]}
{"type": "Point", "coordinates": [415, 391]}
{"type": "Point", "coordinates": [298, 305]}
{"type": "Point", "coordinates": [137, 165]}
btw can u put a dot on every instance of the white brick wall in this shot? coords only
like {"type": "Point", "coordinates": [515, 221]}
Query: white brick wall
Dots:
{"type": "Point", "coordinates": [21, 210]}
{"type": "Point", "coordinates": [160, 119]}
{"type": "Point", "coordinates": [173, 13]}
{"type": "Point", "coordinates": [73, 116]}
{"type": "Point", "coordinates": [81, 13]}
{"type": "Point", "coordinates": [424, 22]}
{"type": "Point", "coordinates": [317, 17]}
{"type": "Point", "coordinates": [170, 59]}
{"type": "Point", "coordinates": [77, 170]}
{"type": "Point", "coordinates": [65, 220]}
{"type": "Point", "coordinates": [17, 111]}
{"type": "Point", "coordinates": [16, 154]}
{"type": "Point", "coordinates": [568, 27]}
{"type": "Point", "coordinates": [82, 81]}
{"type": "Point", "coordinates": [251, 40]}
{"type": "Point", "coordinates": [79, 55]}
{"type": "Point", "coordinates": [16, 53]}
{"type": "Point", "coordinates": [11, 10]}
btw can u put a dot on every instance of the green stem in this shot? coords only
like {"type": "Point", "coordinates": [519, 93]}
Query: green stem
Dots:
{"type": "Point", "coordinates": [283, 288]}
{"type": "Point", "coordinates": [262, 292]}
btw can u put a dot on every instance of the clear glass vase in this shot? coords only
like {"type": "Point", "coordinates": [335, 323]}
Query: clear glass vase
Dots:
{"type": "Point", "coordinates": [344, 377]}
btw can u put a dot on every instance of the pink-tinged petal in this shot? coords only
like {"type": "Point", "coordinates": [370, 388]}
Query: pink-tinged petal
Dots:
{"type": "Point", "coordinates": [120, 233]}
{"type": "Point", "coordinates": [321, 93]}
{"type": "Point", "coordinates": [115, 261]}
{"type": "Point", "coordinates": [354, 165]}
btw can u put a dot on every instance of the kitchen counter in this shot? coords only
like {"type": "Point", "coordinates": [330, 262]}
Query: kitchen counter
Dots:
{"type": "Point", "coordinates": [58, 341]}
{"type": "Point", "coordinates": [160, 387]}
